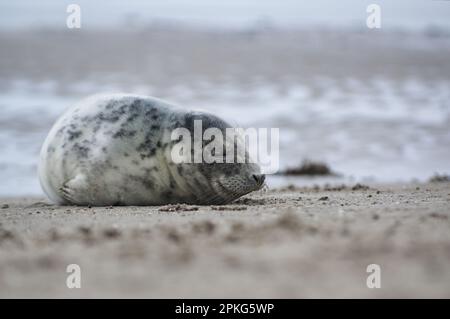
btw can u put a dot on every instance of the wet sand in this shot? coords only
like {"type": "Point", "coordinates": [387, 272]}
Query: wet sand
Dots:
{"type": "Point", "coordinates": [166, 58]}
{"type": "Point", "coordinates": [285, 243]}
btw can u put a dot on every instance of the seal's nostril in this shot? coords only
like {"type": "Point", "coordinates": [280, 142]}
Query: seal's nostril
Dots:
{"type": "Point", "coordinates": [259, 178]}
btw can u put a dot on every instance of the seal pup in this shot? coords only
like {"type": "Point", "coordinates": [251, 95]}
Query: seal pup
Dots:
{"type": "Point", "coordinates": [116, 150]}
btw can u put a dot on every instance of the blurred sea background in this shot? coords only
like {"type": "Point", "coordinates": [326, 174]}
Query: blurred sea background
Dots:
{"type": "Point", "coordinates": [374, 104]}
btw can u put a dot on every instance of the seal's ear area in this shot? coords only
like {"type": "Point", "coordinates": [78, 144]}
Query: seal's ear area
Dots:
{"type": "Point", "coordinates": [208, 120]}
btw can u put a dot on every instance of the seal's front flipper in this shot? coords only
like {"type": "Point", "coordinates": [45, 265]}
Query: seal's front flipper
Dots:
{"type": "Point", "coordinates": [74, 191]}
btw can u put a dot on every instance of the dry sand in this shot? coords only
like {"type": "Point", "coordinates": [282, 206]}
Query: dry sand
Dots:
{"type": "Point", "coordinates": [295, 242]}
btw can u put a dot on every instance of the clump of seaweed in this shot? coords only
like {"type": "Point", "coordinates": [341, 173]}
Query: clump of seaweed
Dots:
{"type": "Point", "coordinates": [310, 168]}
{"type": "Point", "coordinates": [359, 187]}
{"type": "Point", "coordinates": [439, 178]}
{"type": "Point", "coordinates": [177, 208]}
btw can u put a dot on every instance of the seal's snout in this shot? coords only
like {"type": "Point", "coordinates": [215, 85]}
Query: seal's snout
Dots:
{"type": "Point", "coordinates": [259, 179]}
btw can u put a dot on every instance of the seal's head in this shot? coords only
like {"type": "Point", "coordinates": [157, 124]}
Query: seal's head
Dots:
{"type": "Point", "coordinates": [231, 181]}
{"type": "Point", "coordinates": [225, 171]}
{"type": "Point", "coordinates": [221, 183]}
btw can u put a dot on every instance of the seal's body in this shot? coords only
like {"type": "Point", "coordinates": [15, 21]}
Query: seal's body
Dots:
{"type": "Point", "coordinates": [116, 150]}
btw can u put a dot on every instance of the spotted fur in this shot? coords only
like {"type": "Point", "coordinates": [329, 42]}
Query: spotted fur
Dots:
{"type": "Point", "coordinates": [115, 150]}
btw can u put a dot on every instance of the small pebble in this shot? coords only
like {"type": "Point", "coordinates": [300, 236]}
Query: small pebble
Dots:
{"type": "Point", "coordinates": [112, 232]}
{"type": "Point", "coordinates": [85, 230]}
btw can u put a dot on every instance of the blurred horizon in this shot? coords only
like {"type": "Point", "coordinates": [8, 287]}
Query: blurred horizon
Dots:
{"type": "Point", "coordinates": [407, 15]}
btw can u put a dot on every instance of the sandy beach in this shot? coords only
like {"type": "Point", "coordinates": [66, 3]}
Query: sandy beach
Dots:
{"type": "Point", "coordinates": [282, 243]}
{"type": "Point", "coordinates": [372, 104]}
